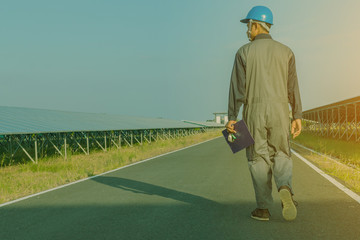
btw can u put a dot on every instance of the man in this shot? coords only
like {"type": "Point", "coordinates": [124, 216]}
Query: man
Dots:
{"type": "Point", "coordinates": [264, 81]}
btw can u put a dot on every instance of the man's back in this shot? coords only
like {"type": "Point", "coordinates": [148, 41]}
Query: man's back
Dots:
{"type": "Point", "coordinates": [266, 65]}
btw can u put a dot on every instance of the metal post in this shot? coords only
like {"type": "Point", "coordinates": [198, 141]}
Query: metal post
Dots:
{"type": "Point", "coordinates": [105, 142]}
{"type": "Point", "coordinates": [339, 121]}
{"type": "Point", "coordinates": [65, 146]}
{"type": "Point", "coordinates": [332, 121]}
{"type": "Point", "coordinates": [356, 125]}
{"type": "Point", "coordinates": [313, 118]}
{"type": "Point", "coordinates": [327, 122]}
{"type": "Point", "coordinates": [346, 123]}
{"type": "Point", "coordinates": [10, 143]}
{"type": "Point", "coordinates": [87, 144]}
{"type": "Point", "coordinates": [36, 151]}
{"type": "Point", "coordinates": [119, 140]}
{"type": "Point", "coordinates": [131, 139]}
{"type": "Point", "coordinates": [322, 123]}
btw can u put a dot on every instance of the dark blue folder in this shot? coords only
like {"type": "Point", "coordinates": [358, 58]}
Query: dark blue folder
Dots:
{"type": "Point", "coordinates": [243, 137]}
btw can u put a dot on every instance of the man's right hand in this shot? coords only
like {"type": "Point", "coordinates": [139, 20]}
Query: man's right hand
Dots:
{"type": "Point", "coordinates": [296, 128]}
{"type": "Point", "coordinates": [230, 126]}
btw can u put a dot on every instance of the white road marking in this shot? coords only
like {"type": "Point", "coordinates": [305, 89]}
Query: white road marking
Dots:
{"type": "Point", "coordinates": [82, 180]}
{"type": "Point", "coordinates": [330, 179]}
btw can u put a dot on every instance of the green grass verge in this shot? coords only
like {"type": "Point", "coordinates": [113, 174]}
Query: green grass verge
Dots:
{"type": "Point", "coordinates": [26, 179]}
{"type": "Point", "coordinates": [345, 168]}
{"type": "Point", "coordinates": [347, 152]}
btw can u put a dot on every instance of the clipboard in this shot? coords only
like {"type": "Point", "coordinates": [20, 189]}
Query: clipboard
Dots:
{"type": "Point", "coordinates": [243, 137]}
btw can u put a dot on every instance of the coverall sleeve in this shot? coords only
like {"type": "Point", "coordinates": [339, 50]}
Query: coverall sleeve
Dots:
{"type": "Point", "coordinates": [237, 88]}
{"type": "Point", "coordinates": [293, 90]}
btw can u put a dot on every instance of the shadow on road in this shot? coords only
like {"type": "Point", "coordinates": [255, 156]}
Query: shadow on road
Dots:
{"type": "Point", "coordinates": [326, 220]}
{"type": "Point", "coordinates": [150, 189]}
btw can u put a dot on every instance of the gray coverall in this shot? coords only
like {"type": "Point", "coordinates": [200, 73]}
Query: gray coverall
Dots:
{"type": "Point", "coordinates": [264, 81]}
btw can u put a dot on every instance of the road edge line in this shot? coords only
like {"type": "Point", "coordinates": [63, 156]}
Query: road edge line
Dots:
{"type": "Point", "coordinates": [330, 179]}
{"type": "Point", "coordinates": [101, 174]}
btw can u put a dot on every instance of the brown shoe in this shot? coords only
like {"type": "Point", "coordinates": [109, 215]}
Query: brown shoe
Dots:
{"type": "Point", "coordinates": [260, 214]}
{"type": "Point", "coordinates": [289, 211]}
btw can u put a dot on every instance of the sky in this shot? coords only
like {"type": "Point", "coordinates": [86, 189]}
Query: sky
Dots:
{"type": "Point", "coordinates": [165, 58]}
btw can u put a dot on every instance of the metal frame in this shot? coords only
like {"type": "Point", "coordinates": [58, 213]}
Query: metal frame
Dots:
{"type": "Point", "coordinates": [39, 145]}
{"type": "Point", "coordinates": [339, 120]}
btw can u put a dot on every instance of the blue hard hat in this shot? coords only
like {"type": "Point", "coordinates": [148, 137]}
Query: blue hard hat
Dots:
{"type": "Point", "coordinates": [259, 13]}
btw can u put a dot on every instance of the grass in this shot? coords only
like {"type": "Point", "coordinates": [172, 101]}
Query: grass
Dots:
{"type": "Point", "coordinates": [345, 167]}
{"type": "Point", "coordinates": [347, 152]}
{"type": "Point", "coordinates": [22, 180]}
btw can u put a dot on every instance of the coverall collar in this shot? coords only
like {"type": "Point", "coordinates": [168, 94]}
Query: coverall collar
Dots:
{"type": "Point", "coordinates": [263, 36]}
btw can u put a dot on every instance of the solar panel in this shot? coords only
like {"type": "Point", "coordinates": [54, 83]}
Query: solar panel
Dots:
{"type": "Point", "coordinates": [16, 120]}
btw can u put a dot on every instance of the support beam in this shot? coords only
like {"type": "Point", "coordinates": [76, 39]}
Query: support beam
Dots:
{"type": "Point", "coordinates": [117, 146]}
{"type": "Point", "coordinates": [137, 140]}
{"type": "Point", "coordinates": [27, 154]}
{"type": "Point", "coordinates": [147, 139]}
{"type": "Point", "coordinates": [100, 145]}
{"type": "Point", "coordinates": [80, 146]}
{"type": "Point", "coordinates": [56, 148]}
{"type": "Point", "coordinates": [127, 142]}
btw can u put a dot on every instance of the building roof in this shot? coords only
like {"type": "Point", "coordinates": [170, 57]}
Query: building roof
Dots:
{"type": "Point", "coordinates": [205, 124]}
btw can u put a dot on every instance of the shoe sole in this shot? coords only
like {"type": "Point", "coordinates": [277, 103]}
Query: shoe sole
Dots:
{"type": "Point", "coordinates": [260, 219]}
{"type": "Point", "coordinates": [289, 211]}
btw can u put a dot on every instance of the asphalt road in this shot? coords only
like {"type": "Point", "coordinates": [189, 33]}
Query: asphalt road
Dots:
{"type": "Point", "coordinates": [203, 192]}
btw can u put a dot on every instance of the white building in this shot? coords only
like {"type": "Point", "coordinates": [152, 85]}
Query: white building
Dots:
{"type": "Point", "coordinates": [221, 117]}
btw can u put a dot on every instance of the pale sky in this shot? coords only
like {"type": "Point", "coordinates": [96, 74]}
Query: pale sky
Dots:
{"type": "Point", "coordinates": [169, 59]}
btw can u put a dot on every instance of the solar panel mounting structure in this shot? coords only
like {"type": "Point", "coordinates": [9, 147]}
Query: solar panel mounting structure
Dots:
{"type": "Point", "coordinates": [339, 120]}
{"type": "Point", "coordinates": [38, 133]}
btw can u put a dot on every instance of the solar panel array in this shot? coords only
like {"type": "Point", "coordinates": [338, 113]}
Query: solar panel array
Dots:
{"type": "Point", "coordinates": [337, 120]}
{"type": "Point", "coordinates": [339, 112]}
{"type": "Point", "coordinates": [15, 120]}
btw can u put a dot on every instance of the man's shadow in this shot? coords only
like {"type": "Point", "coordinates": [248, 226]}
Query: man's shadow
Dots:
{"type": "Point", "coordinates": [150, 189]}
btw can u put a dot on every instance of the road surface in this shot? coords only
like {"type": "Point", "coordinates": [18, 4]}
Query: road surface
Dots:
{"type": "Point", "coordinates": [202, 192]}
